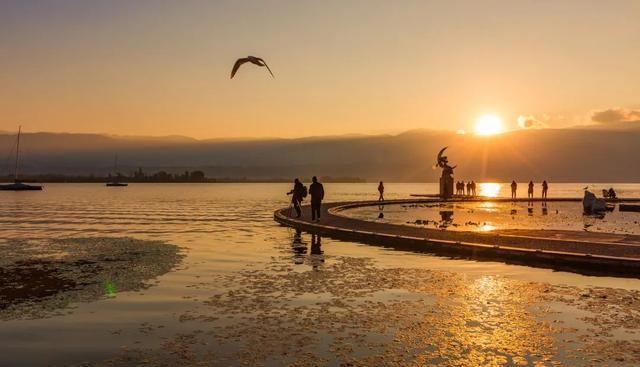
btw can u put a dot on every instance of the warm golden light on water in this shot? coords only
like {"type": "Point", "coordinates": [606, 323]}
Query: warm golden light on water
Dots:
{"type": "Point", "coordinates": [490, 189]}
{"type": "Point", "coordinates": [487, 228]}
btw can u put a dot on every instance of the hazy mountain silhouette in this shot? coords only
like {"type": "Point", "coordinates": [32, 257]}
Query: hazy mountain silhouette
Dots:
{"type": "Point", "coordinates": [574, 155]}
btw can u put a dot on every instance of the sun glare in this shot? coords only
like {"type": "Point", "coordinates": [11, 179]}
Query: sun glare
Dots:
{"type": "Point", "coordinates": [490, 189]}
{"type": "Point", "coordinates": [489, 125]}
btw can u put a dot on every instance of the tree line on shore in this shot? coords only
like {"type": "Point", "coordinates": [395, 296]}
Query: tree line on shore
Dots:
{"type": "Point", "coordinates": [158, 177]}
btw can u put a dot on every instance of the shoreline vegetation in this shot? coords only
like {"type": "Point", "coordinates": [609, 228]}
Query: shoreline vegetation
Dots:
{"type": "Point", "coordinates": [167, 177]}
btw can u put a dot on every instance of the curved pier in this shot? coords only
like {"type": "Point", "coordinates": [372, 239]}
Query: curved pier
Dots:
{"type": "Point", "coordinates": [585, 252]}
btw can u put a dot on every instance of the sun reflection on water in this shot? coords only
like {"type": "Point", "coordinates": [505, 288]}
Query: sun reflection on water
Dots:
{"type": "Point", "coordinates": [487, 227]}
{"type": "Point", "coordinates": [490, 189]}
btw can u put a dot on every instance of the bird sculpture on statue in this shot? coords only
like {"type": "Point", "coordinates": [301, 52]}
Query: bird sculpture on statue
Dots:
{"type": "Point", "coordinates": [252, 59]}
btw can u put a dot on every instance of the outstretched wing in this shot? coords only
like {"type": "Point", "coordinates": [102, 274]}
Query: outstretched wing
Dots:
{"type": "Point", "coordinates": [440, 154]}
{"type": "Point", "coordinates": [236, 66]}
{"type": "Point", "coordinates": [265, 64]}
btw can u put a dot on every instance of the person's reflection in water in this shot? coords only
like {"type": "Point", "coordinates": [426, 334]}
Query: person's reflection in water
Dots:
{"type": "Point", "coordinates": [316, 258]}
{"type": "Point", "coordinates": [545, 211]}
{"type": "Point", "coordinates": [299, 248]}
{"type": "Point", "coordinates": [446, 218]}
{"type": "Point", "coordinates": [381, 214]}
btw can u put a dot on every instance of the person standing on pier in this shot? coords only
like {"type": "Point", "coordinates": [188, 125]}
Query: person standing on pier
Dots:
{"type": "Point", "coordinates": [545, 188]}
{"type": "Point", "coordinates": [297, 195]}
{"type": "Point", "coordinates": [316, 190]}
{"type": "Point", "coordinates": [514, 188]}
{"type": "Point", "coordinates": [381, 191]}
{"type": "Point", "coordinates": [530, 192]}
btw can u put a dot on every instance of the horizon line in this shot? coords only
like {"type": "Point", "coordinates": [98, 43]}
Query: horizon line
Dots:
{"type": "Point", "coordinates": [601, 127]}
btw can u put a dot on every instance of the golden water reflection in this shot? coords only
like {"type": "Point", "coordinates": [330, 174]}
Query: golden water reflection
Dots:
{"type": "Point", "coordinates": [490, 189]}
{"type": "Point", "coordinates": [487, 227]}
{"type": "Point", "coordinates": [371, 315]}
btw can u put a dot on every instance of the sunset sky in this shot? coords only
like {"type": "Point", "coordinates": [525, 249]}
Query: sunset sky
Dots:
{"type": "Point", "coordinates": [341, 67]}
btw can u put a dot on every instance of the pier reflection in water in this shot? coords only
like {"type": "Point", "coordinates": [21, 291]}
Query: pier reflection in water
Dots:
{"type": "Point", "coordinates": [303, 254]}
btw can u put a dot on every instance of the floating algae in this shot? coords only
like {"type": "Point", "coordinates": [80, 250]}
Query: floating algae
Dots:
{"type": "Point", "coordinates": [40, 278]}
{"type": "Point", "coordinates": [351, 312]}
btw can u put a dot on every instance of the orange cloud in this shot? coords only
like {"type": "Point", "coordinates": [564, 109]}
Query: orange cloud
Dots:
{"type": "Point", "coordinates": [616, 115]}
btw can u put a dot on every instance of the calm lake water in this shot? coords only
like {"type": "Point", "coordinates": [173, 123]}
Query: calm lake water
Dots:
{"type": "Point", "coordinates": [495, 216]}
{"type": "Point", "coordinates": [244, 275]}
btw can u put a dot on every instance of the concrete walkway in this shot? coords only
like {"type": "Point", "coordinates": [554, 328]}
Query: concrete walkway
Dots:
{"type": "Point", "coordinates": [601, 252]}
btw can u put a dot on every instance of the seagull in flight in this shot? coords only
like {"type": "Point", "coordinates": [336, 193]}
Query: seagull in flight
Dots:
{"type": "Point", "coordinates": [252, 59]}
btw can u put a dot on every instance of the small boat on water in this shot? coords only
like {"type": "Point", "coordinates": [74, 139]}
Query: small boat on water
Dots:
{"type": "Point", "coordinates": [115, 182]}
{"type": "Point", "coordinates": [17, 185]}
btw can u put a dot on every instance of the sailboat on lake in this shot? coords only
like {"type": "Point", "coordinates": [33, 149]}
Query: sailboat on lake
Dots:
{"type": "Point", "coordinates": [115, 181]}
{"type": "Point", "coordinates": [17, 185]}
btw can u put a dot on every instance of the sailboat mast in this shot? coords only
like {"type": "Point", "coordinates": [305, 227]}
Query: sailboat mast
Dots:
{"type": "Point", "coordinates": [15, 172]}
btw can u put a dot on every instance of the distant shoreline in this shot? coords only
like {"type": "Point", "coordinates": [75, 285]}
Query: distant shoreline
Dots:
{"type": "Point", "coordinates": [65, 179]}
{"type": "Point", "coordinates": [4, 180]}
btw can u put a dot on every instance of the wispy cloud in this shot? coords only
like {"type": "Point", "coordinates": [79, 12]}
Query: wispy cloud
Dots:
{"type": "Point", "coordinates": [616, 115]}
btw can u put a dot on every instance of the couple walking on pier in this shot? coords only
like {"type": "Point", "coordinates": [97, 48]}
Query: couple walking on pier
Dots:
{"type": "Point", "coordinates": [299, 192]}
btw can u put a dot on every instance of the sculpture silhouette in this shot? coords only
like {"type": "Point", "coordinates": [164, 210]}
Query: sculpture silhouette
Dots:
{"type": "Point", "coordinates": [446, 180]}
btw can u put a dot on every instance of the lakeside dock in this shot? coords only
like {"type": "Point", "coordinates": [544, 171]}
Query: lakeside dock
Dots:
{"type": "Point", "coordinates": [595, 253]}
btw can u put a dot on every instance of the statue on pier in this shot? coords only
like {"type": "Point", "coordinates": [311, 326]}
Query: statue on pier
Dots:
{"type": "Point", "coordinates": [446, 180]}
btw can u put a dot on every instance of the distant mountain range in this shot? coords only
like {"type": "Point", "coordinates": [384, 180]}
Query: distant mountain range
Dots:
{"type": "Point", "coordinates": [560, 155]}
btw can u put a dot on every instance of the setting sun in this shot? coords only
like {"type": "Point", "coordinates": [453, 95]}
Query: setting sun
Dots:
{"type": "Point", "coordinates": [489, 125]}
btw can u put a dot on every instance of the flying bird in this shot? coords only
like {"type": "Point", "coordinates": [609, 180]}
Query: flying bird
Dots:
{"type": "Point", "coordinates": [252, 59]}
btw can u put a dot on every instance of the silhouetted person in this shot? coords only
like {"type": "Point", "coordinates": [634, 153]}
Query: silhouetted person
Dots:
{"type": "Point", "coordinates": [514, 188]}
{"type": "Point", "coordinates": [381, 191]}
{"type": "Point", "coordinates": [469, 188]}
{"type": "Point", "coordinates": [473, 188]}
{"type": "Point", "coordinates": [530, 191]}
{"type": "Point", "coordinates": [612, 193]}
{"type": "Point", "coordinates": [316, 190]}
{"type": "Point", "coordinates": [297, 194]}
{"type": "Point", "coordinates": [545, 188]}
